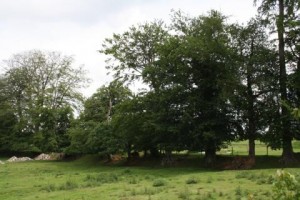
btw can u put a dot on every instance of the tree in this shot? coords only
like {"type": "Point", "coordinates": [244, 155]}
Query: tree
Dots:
{"type": "Point", "coordinates": [92, 132]}
{"type": "Point", "coordinates": [8, 120]}
{"type": "Point", "coordinates": [278, 12]}
{"type": "Point", "coordinates": [258, 79]}
{"type": "Point", "coordinates": [196, 74]}
{"type": "Point", "coordinates": [134, 50]}
{"type": "Point", "coordinates": [190, 73]}
{"type": "Point", "coordinates": [44, 91]}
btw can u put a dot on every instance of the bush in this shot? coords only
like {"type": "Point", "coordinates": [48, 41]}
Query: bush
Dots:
{"type": "Point", "coordinates": [185, 194]}
{"type": "Point", "coordinates": [285, 186]}
{"type": "Point", "coordinates": [238, 191]}
{"type": "Point", "coordinates": [68, 185]}
{"type": "Point", "coordinates": [191, 180]}
{"type": "Point", "coordinates": [159, 183]}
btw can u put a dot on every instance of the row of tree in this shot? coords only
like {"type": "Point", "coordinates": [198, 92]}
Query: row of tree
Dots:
{"type": "Point", "coordinates": [209, 83]}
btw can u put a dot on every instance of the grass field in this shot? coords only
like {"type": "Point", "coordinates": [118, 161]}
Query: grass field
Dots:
{"type": "Point", "coordinates": [88, 178]}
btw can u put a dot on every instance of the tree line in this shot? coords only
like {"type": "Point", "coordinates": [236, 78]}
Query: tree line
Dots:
{"type": "Point", "coordinates": [210, 82]}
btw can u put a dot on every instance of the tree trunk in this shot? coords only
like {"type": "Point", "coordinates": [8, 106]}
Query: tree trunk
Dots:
{"type": "Point", "coordinates": [210, 154]}
{"type": "Point", "coordinates": [168, 160]}
{"type": "Point", "coordinates": [251, 148]}
{"type": "Point", "coordinates": [108, 116]}
{"type": "Point", "coordinates": [287, 153]}
{"type": "Point", "coordinates": [128, 151]}
{"type": "Point", "coordinates": [154, 152]}
{"type": "Point", "coordinates": [145, 153]}
{"type": "Point", "coordinates": [251, 132]}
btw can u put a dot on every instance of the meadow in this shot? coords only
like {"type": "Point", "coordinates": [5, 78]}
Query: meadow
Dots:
{"type": "Point", "coordinates": [89, 178]}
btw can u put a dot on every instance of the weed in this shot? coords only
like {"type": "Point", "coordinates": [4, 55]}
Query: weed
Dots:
{"type": "Point", "coordinates": [185, 194]}
{"type": "Point", "coordinates": [148, 191]}
{"type": "Point", "coordinates": [252, 177]}
{"type": "Point", "coordinates": [133, 181]}
{"type": "Point", "coordinates": [238, 191]}
{"type": "Point", "coordinates": [126, 171]}
{"type": "Point", "coordinates": [159, 183]}
{"type": "Point", "coordinates": [241, 175]}
{"type": "Point", "coordinates": [261, 181]}
{"type": "Point", "coordinates": [209, 180]}
{"type": "Point", "coordinates": [49, 188]}
{"type": "Point", "coordinates": [209, 195]}
{"type": "Point", "coordinates": [270, 179]}
{"type": "Point", "coordinates": [133, 192]}
{"type": "Point", "coordinates": [102, 178]}
{"type": "Point", "coordinates": [191, 180]}
{"type": "Point", "coordinates": [68, 185]}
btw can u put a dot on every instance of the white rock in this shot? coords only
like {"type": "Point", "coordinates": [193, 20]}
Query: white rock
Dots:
{"type": "Point", "coordinates": [21, 159]}
{"type": "Point", "coordinates": [43, 156]}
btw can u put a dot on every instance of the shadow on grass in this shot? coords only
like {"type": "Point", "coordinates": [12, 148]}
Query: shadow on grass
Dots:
{"type": "Point", "coordinates": [190, 163]}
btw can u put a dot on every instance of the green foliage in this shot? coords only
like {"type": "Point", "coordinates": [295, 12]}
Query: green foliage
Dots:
{"type": "Point", "coordinates": [68, 185]}
{"type": "Point", "coordinates": [93, 131]}
{"type": "Point", "coordinates": [42, 89]}
{"type": "Point", "coordinates": [159, 183]}
{"type": "Point", "coordinates": [285, 186]}
{"type": "Point", "coordinates": [185, 194]}
{"type": "Point", "coordinates": [134, 50]}
{"type": "Point", "coordinates": [191, 180]}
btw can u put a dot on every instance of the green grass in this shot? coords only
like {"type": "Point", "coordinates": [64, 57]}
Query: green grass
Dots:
{"type": "Point", "coordinates": [87, 179]}
{"type": "Point", "coordinates": [241, 148]}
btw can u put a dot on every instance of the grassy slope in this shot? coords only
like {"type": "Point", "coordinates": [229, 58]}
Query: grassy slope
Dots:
{"type": "Point", "coordinates": [87, 178]}
{"type": "Point", "coordinates": [73, 180]}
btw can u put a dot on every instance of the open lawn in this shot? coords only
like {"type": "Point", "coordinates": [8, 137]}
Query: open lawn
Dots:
{"type": "Point", "coordinates": [88, 178]}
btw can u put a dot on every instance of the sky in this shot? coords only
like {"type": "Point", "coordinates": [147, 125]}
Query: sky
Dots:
{"type": "Point", "coordinates": [78, 27]}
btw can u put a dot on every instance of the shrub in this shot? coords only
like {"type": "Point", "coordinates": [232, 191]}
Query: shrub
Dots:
{"type": "Point", "coordinates": [159, 183]}
{"type": "Point", "coordinates": [241, 175]}
{"type": "Point", "coordinates": [133, 181]}
{"type": "Point", "coordinates": [191, 180]}
{"type": "Point", "coordinates": [185, 194]}
{"type": "Point", "coordinates": [285, 186]}
{"type": "Point", "coordinates": [102, 178]}
{"type": "Point", "coordinates": [68, 185]}
{"type": "Point", "coordinates": [238, 191]}
{"type": "Point", "coordinates": [209, 180]}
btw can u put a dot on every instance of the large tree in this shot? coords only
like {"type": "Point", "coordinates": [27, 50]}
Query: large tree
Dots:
{"type": "Point", "coordinates": [44, 91]}
{"type": "Point", "coordinates": [277, 13]}
{"type": "Point", "coordinates": [258, 79]}
{"type": "Point", "coordinates": [197, 74]}
{"type": "Point", "coordinates": [191, 74]}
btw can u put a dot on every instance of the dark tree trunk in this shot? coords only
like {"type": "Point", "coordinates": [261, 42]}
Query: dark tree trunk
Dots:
{"type": "Point", "coordinates": [168, 160]}
{"type": "Point", "coordinates": [210, 154]}
{"type": "Point", "coordinates": [287, 153]}
{"type": "Point", "coordinates": [145, 153]}
{"type": "Point", "coordinates": [128, 151]}
{"type": "Point", "coordinates": [251, 131]}
{"type": "Point", "coordinates": [251, 148]}
{"type": "Point", "coordinates": [154, 152]}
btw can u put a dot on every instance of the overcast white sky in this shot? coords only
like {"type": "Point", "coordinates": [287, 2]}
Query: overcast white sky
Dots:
{"type": "Point", "coordinates": [78, 27]}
